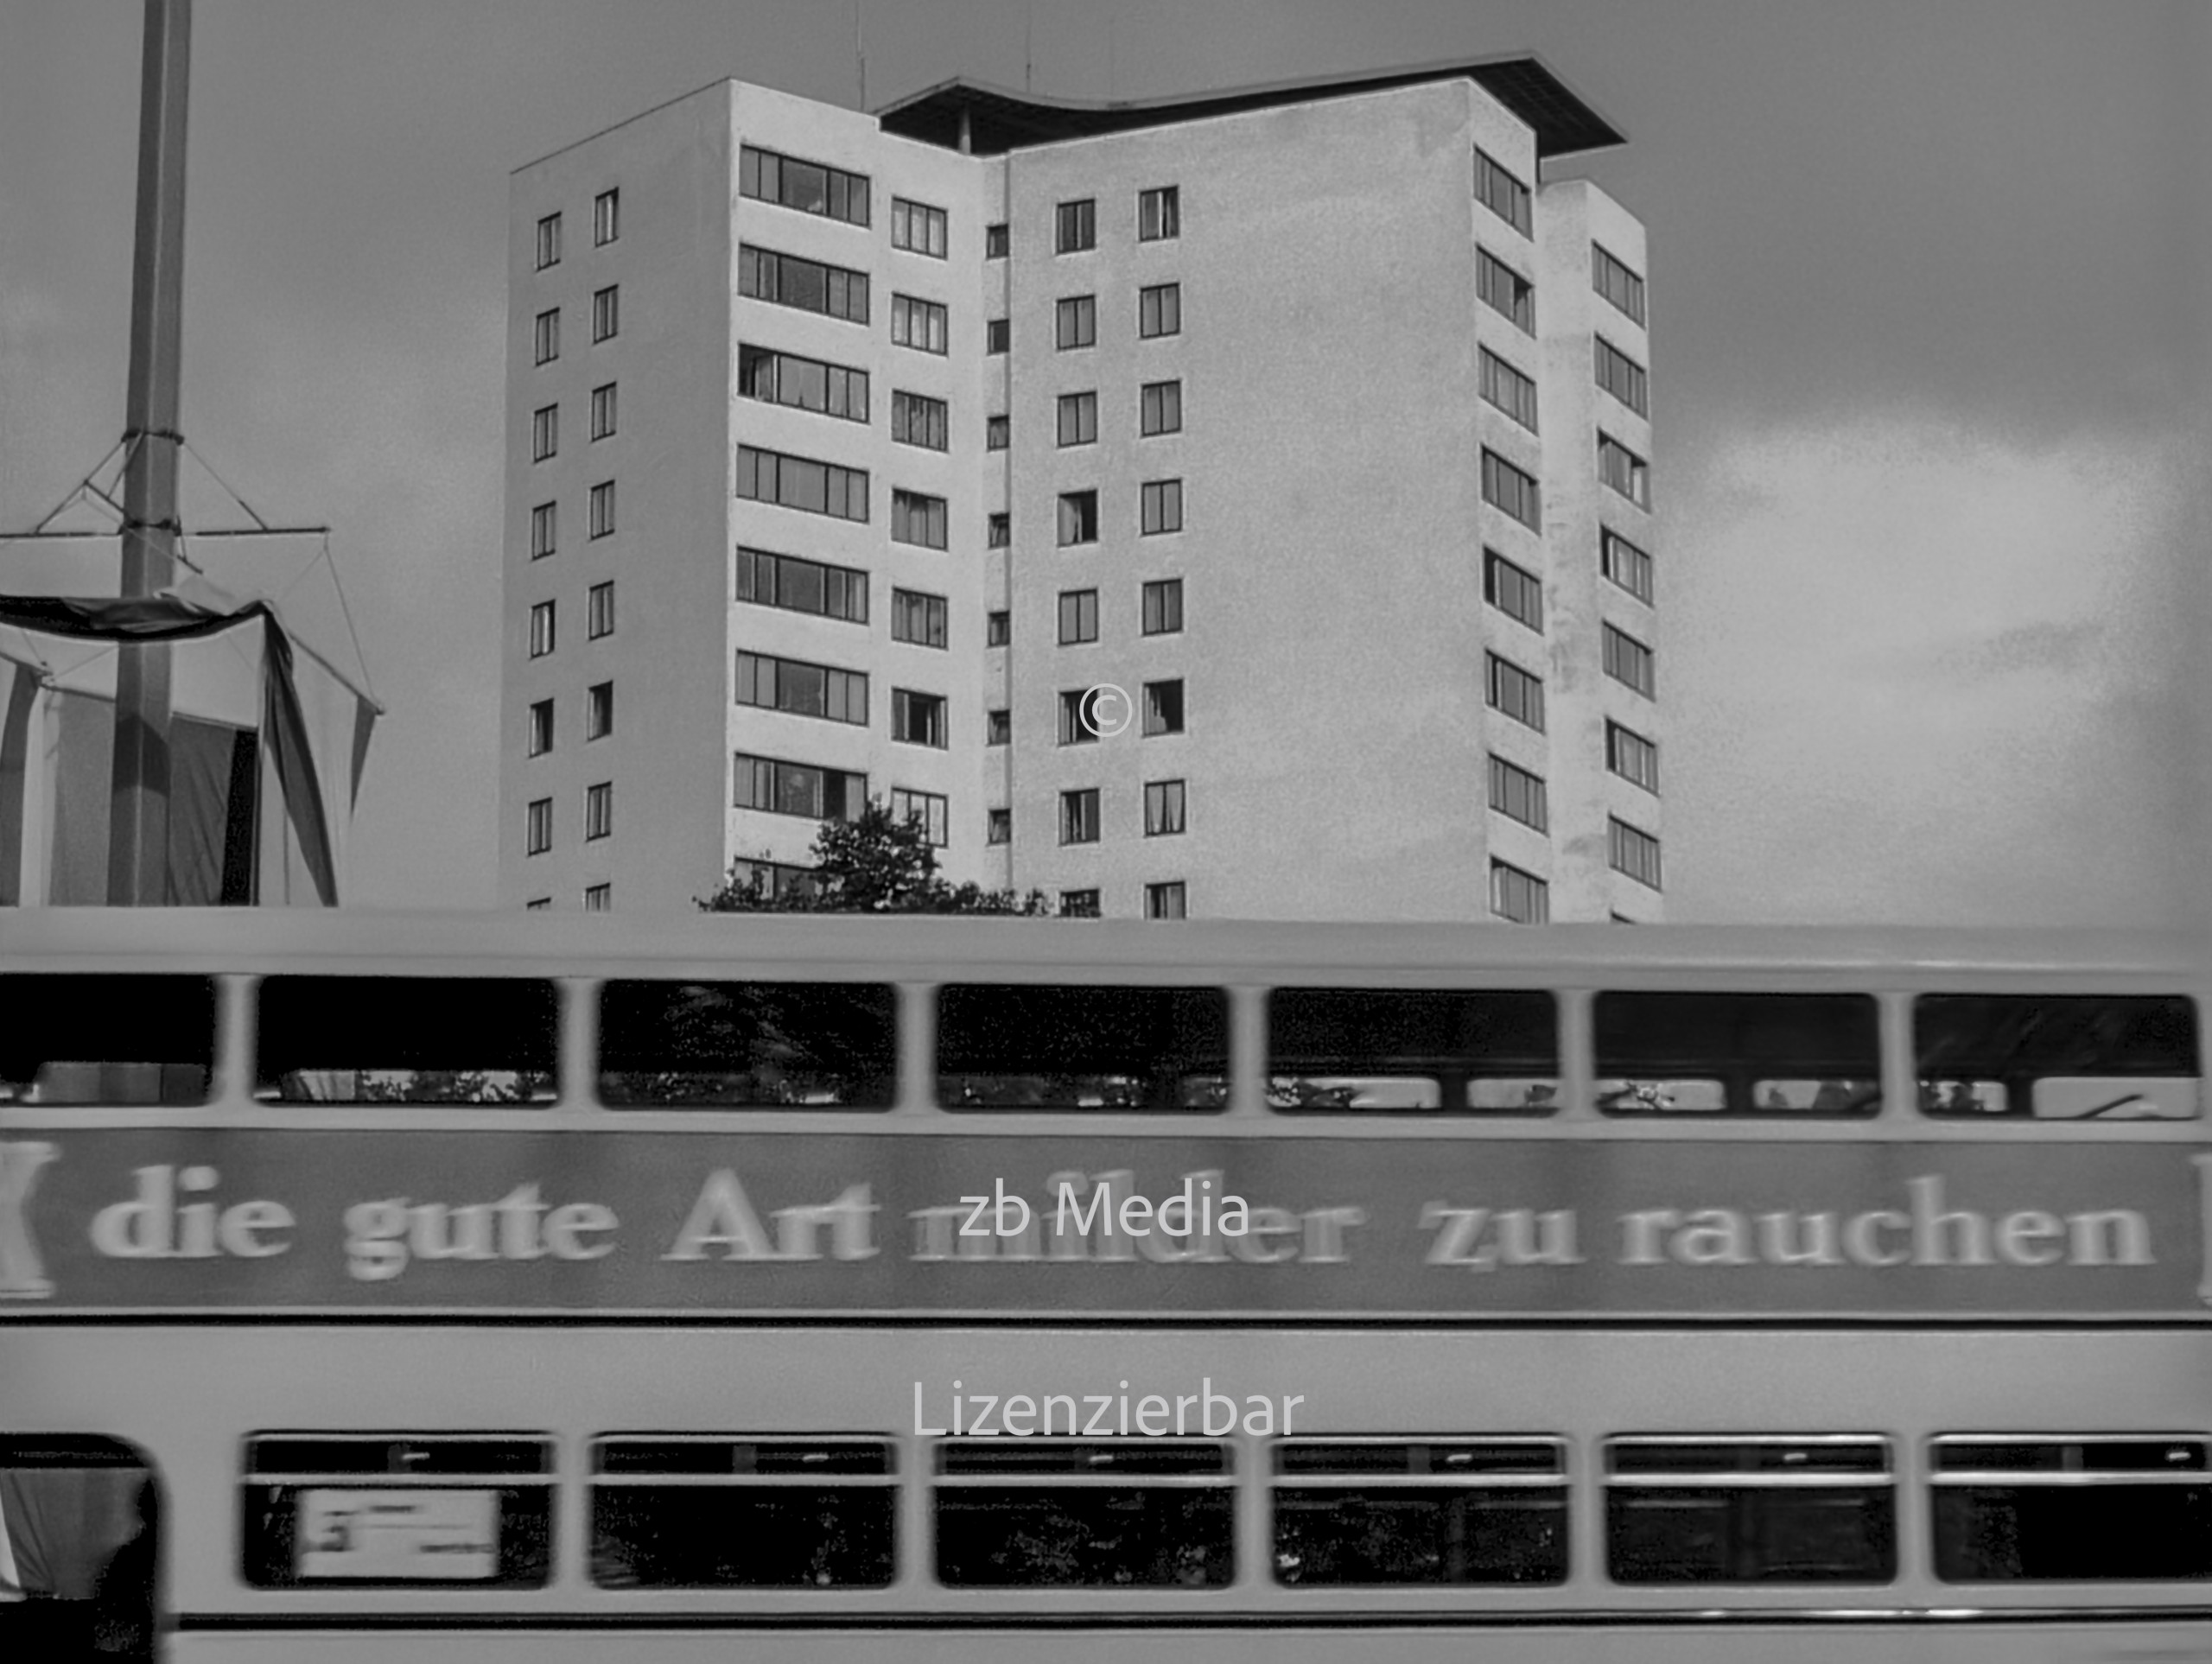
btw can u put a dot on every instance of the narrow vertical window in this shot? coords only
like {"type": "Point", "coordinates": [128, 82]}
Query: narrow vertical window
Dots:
{"type": "Point", "coordinates": [1624, 471]}
{"type": "Point", "coordinates": [1078, 418]}
{"type": "Point", "coordinates": [1160, 213]}
{"type": "Point", "coordinates": [602, 412]}
{"type": "Point", "coordinates": [605, 313]}
{"type": "Point", "coordinates": [1612, 278]}
{"type": "Point", "coordinates": [537, 827]}
{"type": "Point", "coordinates": [1163, 707]}
{"type": "Point", "coordinates": [599, 612]}
{"type": "Point", "coordinates": [1076, 227]}
{"type": "Point", "coordinates": [1502, 191]}
{"type": "Point", "coordinates": [602, 509]}
{"type": "Point", "coordinates": [541, 728]}
{"type": "Point", "coordinates": [1079, 616]}
{"type": "Point", "coordinates": [599, 810]}
{"type": "Point", "coordinates": [1163, 808]}
{"type": "Point", "coordinates": [543, 524]}
{"type": "Point", "coordinates": [541, 629]}
{"type": "Point", "coordinates": [545, 336]}
{"type": "Point", "coordinates": [544, 432]}
{"type": "Point", "coordinates": [998, 334]}
{"type": "Point", "coordinates": [605, 218]}
{"type": "Point", "coordinates": [1079, 815]}
{"type": "Point", "coordinates": [599, 710]}
{"type": "Point", "coordinates": [548, 241]}
{"type": "Point", "coordinates": [994, 241]}
{"type": "Point", "coordinates": [1076, 322]}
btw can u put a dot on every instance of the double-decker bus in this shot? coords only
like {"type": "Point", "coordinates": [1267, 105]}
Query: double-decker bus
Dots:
{"type": "Point", "coordinates": [499, 1289]}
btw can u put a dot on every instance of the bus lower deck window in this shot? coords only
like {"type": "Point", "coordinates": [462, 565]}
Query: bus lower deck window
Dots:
{"type": "Point", "coordinates": [1061, 1514]}
{"type": "Point", "coordinates": [705, 1512]}
{"type": "Point", "coordinates": [1401, 1051]}
{"type": "Point", "coordinates": [2009, 1508]}
{"type": "Point", "coordinates": [1811, 1056]}
{"type": "Point", "coordinates": [1010, 1046]}
{"type": "Point", "coordinates": [1749, 1510]}
{"type": "Point", "coordinates": [754, 1045]}
{"type": "Point", "coordinates": [1377, 1513]}
{"type": "Point", "coordinates": [87, 1040]}
{"type": "Point", "coordinates": [408, 1040]}
{"type": "Point", "coordinates": [2057, 1057]}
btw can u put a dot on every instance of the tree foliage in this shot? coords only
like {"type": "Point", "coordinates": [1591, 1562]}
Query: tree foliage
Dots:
{"type": "Point", "coordinates": [878, 863]}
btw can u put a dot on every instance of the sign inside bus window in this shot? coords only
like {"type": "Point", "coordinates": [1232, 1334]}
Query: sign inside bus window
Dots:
{"type": "Point", "coordinates": [175, 1219]}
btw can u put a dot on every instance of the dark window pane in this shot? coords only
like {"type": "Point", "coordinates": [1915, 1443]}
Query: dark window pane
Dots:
{"type": "Point", "coordinates": [742, 1537]}
{"type": "Point", "coordinates": [106, 1039]}
{"type": "Point", "coordinates": [2057, 1057]}
{"type": "Point", "coordinates": [1085, 1537]}
{"type": "Point", "coordinates": [1449, 1534]}
{"type": "Point", "coordinates": [2085, 1533]}
{"type": "Point", "coordinates": [1010, 1046]}
{"type": "Point", "coordinates": [1388, 1049]}
{"type": "Point", "coordinates": [1745, 1054]}
{"type": "Point", "coordinates": [1782, 1534]}
{"type": "Point", "coordinates": [407, 1039]}
{"type": "Point", "coordinates": [816, 1045]}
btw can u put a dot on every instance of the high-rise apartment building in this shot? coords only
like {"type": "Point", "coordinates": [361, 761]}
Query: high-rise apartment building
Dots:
{"type": "Point", "coordinates": [850, 456]}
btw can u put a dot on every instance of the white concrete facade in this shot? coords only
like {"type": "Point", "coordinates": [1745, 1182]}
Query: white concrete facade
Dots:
{"type": "Point", "coordinates": [1334, 633]}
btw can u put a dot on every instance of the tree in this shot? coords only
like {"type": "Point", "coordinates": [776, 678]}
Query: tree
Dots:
{"type": "Point", "coordinates": [876, 864]}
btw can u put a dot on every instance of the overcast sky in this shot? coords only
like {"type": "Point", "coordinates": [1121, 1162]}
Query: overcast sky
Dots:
{"type": "Point", "coordinates": [1929, 307]}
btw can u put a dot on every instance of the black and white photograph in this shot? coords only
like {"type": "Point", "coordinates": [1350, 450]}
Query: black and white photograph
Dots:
{"type": "Point", "coordinates": [893, 831]}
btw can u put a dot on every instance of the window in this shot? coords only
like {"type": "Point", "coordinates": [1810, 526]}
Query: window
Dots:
{"type": "Point", "coordinates": [1500, 192]}
{"type": "Point", "coordinates": [918, 323]}
{"type": "Point", "coordinates": [1079, 815]}
{"type": "Point", "coordinates": [1613, 279]}
{"type": "Point", "coordinates": [544, 432]}
{"type": "Point", "coordinates": [998, 531]}
{"type": "Point", "coordinates": [599, 898]}
{"type": "Point", "coordinates": [799, 482]}
{"type": "Point", "coordinates": [1078, 616]}
{"type": "Point", "coordinates": [606, 313]}
{"type": "Point", "coordinates": [1083, 1515]}
{"type": "Point", "coordinates": [1076, 227]}
{"type": "Point", "coordinates": [1160, 408]}
{"type": "Point", "coordinates": [602, 412]}
{"type": "Point", "coordinates": [927, 807]}
{"type": "Point", "coordinates": [803, 285]}
{"type": "Point", "coordinates": [918, 520]}
{"type": "Point", "coordinates": [1163, 607]}
{"type": "Point", "coordinates": [1163, 808]}
{"type": "Point", "coordinates": [1163, 707]}
{"type": "Point", "coordinates": [1749, 1510]}
{"type": "Point", "coordinates": [1633, 852]}
{"type": "Point", "coordinates": [601, 507]}
{"type": "Point", "coordinates": [998, 628]}
{"type": "Point", "coordinates": [1078, 517]}
{"type": "Point", "coordinates": [1076, 322]}
{"type": "Point", "coordinates": [998, 727]}
{"type": "Point", "coordinates": [542, 904]}
{"type": "Point", "coordinates": [998, 334]}
{"type": "Point", "coordinates": [1628, 661]}
{"type": "Point", "coordinates": [1505, 291]}
{"type": "Point", "coordinates": [605, 218]}
{"type": "Point", "coordinates": [798, 586]}
{"type": "Point", "coordinates": [2017, 1509]}
{"type": "Point", "coordinates": [776, 879]}
{"type": "Point", "coordinates": [2057, 1057]}
{"type": "Point", "coordinates": [1620, 375]}
{"type": "Point", "coordinates": [1078, 726]}
{"type": "Point", "coordinates": [598, 611]}
{"type": "Point", "coordinates": [807, 186]}
{"type": "Point", "coordinates": [543, 522]}
{"type": "Point", "coordinates": [917, 617]}
{"type": "Point", "coordinates": [1162, 505]}
{"type": "Point", "coordinates": [548, 241]}
{"type": "Point", "coordinates": [1160, 213]}
{"type": "Point", "coordinates": [800, 789]}
{"type": "Point", "coordinates": [1078, 903]}
{"type": "Point", "coordinates": [998, 432]}
{"type": "Point", "coordinates": [599, 810]}
{"type": "Point", "coordinates": [1165, 900]}
{"type": "Point", "coordinates": [537, 827]}
{"type": "Point", "coordinates": [796, 1045]}
{"type": "Point", "coordinates": [1506, 487]}
{"type": "Point", "coordinates": [1507, 389]}
{"type": "Point", "coordinates": [1625, 563]}
{"type": "Point", "coordinates": [1521, 897]}
{"type": "Point", "coordinates": [1159, 310]}
{"type": "Point", "coordinates": [804, 689]}
{"type": "Point", "coordinates": [1815, 1055]}
{"type": "Point", "coordinates": [804, 383]}
{"type": "Point", "coordinates": [1514, 590]}
{"type": "Point", "coordinates": [409, 1039]}
{"type": "Point", "coordinates": [483, 1503]}
{"type": "Point", "coordinates": [917, 419]}
{"type": "Point", "coordinates": [1632, 757]}
{"type": "Point", "coordinates": [917, 227]}
{"type": "Point", "coordinates": [1078, 418]}
{"type": "Point", "coordinates": [599, 710]}
{"type": "Point", "coordinates": [541, 727]}
{"type": "Point", "coordinates": [1091, 1047]}
{"type": "Point", "coordinates": [541, 629]}
{"type": "Point", "coordinates": [1368, 1512]}
{"type": "Point", "coordinates": [1518, 794]}
{"type": "Point", "coordinates": [1398, 1050]}
{"type": "Point", "coordinates": [1624, 471]}
{"type": "Point", "coordinates": [994, 241]}
{"type": "Point", "coordinates": [998, 826]}
{"type": "Point", "coordinates": [917, 719]}
{"type": "Point", "coordinates": [1516, 693]}
{"type": "Point", "coordinates": [545, 334]}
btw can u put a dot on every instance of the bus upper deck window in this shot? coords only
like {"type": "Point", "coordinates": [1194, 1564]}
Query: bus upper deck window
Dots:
{"type": "Point", "coordinates": [1376, 1512]}
{"type": "Point", "coordinates": [96, 1040]}
{"type": "Point", "coordinates": [1014, 1045]}
{"type": "Point", "coordinates": [756, 1044]}
{"type": "Point", "coordinates": [2012, 1508]}
{"type": "Point", "coordinates": [1406, 1050]}
{"type": "Point", "coordinates": [1699, 1509]}
{"type": "Point", "coordinates": [2057, 1057]}
{"type": "Point", "coordinates": [408, 1040]}
{"type": "Point", "coordinates": [1127, 1513]}
{"type": "Point", "coordinates": [1805, 1055]}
